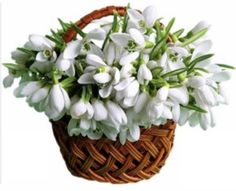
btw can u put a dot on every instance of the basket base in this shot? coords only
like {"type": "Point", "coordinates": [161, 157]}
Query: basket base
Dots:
{"type": "Point", "coordinates": [108, 161]}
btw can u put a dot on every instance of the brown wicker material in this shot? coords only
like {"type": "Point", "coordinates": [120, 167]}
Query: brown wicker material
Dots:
{"type": "Point", "coordinates": [108, 161]}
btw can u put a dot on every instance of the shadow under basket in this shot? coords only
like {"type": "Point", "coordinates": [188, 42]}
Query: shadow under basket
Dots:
{"type": "Point", "coordinates": [104, 160]}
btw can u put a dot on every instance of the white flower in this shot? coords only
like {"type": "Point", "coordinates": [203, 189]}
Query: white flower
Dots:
{"type": "Point", "coordinates": [66, 60]}
{"type": "Point", "coordinates": [141, 102]}
{"type": "Point", "coordinates": [57, 103]}
{"type": "Point", "coordinates": [127, 91]}
{"type": "Point", "coordinates": [81, 110]}
{"type": "Point", "coordinates": [131, 131]}
{"type": "Point", "coordinates": [46, 54]}
{"type": "Point", "coordinates": [144, 74]}
{"type": "Point", "coordinates": [179, 95]}
{"type": "Point", "coordinates": [172, 59]}
{"type": "Point", "coordinates": [135, 40]}
{"type": "Point", "coordinates": [145, 19]}
{"type": "Point", "coordinates": [200, 26]}
{"type": "Point", "coordinates": [26, 89]}
{"type": "Point", "coordinates": [100, 111]}
{"type": "Point", "coordinates": [8, 81]}
{"type": "Point", "coordinates": [20, 57]}
{"type": "Point", "coordinates": [106, 74]}
{"type": "Point", "coordinates": [116, 114]}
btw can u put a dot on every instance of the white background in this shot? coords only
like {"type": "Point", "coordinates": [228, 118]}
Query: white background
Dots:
{"type": "Point", "coordinates": [200, 160]}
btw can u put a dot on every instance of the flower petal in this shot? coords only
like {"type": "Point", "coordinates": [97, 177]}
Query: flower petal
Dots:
{"type": "Point", "coordinates": [102, 78]}
{"type": "Point", "coordinates": [78, 109]}
{"type": "Point", "coordinates": [179, 95]}
{"type": "Point", "coordinates": [8, 81]}
{"type": "Point", "coordinates": [106, 91]}
{"type": "Point", "coordinates": [72, 49]}
{"type": "Point", "coordinates": [40, 95]}
{"type": "Point", "coordinates": [70, 71]}
{"type": "Point", "coordinates": [134, 15]}
{"type": "Point", "coordinates": [94, 49]}
{"type": "Point", "coordinates": [141, 102]}
{"type": "Point", "coordinates": [116, 75]}
{"type": "Point", "coordinates": [196, 81]}
{"type": "Point", "coordinates": [120, 39]}
{"type": "Point", "coordinates": [39, 43]}
{"type": "Point", "coordinates": [85, 124]}
{"type": "Point", "coordinates": [66, 98]}
{"type": "Point", "coordinates": [94, 60]}
{"type": "Point", "coordinates": [134, 131]}
{"type": "Point", "coordinates": [100, 111]}
{"type": "Point", "coordinates": [72, 128]}
{"type": "Point", "coordinates": [56, 99]}
{"type": "Point", "coordinates": [86, 78]}
{"type": "Point", "coordinates": [137, 36]}
{"type": "Point", "coordinates": [200, 26]}
{"type": "Point", "coordinates": [202, 48]}
{"type": "Point", "coordinates": [133, 89]}
{"type": "Point", "coordinates": [194, 119]}
{"type": "Point", "coordinates": [144, 74]}
{"type": "Point", "coordinates": [150, 15]}
{"type": "Point", "coordinates": [221, 76]}
{"type": "Point", "coordinates": [162, 94]}
{"type": "Point", "coordinates": [124, 84]}
{"type": "Point", "coordinates": [123, 135]}
{"type": "Point", "coordinates": [127, 59]}
{"type": "Point", "coordinates": [97, 34]}
{"type": "Point", "coordinates": [166, 113]}
{"type": "Point", "coordinates": [63, 64]}
{"type": "Point", "coordinates": [110, 54]}
{"type": "Point", "coordinates": [40, 57]}
{"type": "Point", "coordinates": [30, 88]}
{"type": "Point", "coordinates": [176, 112]}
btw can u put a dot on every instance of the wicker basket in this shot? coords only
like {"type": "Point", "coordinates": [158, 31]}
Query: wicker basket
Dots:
{"type": "Point", "coordinates": [108, 161]}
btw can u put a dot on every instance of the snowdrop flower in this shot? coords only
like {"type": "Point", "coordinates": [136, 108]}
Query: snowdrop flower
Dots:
{"type": "Point", "coordinates": [26, 89]}
{"type": "Point", "coordinates": [200, 26]}
{"type": "Point", "coordinates": [172, 59]}
{"type": "Point", "coordinates": [144, 74]}
{"type": "Point", "coordinates": [46, 54]}
{"type": "Point", "coordinates": [66, 60]}
{"type": "Point", "coordinates": [8, 81]}
{"type": "Point", "coordinates": [143, 20]}
{"type": "Point", "coordinates": [20, 57]}
{"type": "Point", "coordinates": [116, 114]}
{"type": "Point", "coordinates": [127, 91]}
{"type": "Point", "coordinates": [179, 95]}
{"type": "Point", "coordinates": [57, 103]}
{"type": "Point", "coordinates": [131, 131]}
{"type": "Point", "coordinates": [99, 72]}
{"type": "Point", "coordinates": [134, 40]}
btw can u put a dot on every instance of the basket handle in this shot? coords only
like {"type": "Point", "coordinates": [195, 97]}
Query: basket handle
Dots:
{"type": "Point", "coordinates": [97, 14]}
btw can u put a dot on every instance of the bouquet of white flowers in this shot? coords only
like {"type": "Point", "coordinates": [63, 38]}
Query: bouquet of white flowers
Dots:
{"type": "Point", "coordinates": [122, 76]}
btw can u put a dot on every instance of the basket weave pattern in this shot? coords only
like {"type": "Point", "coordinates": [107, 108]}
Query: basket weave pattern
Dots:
{"type": "Point", "coordinates": [109, 161]}
{"type": "Point", "coordinates": [104, 160]}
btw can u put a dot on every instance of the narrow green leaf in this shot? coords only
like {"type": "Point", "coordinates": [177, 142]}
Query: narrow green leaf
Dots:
{"type": "Point", "coordinates": [174, 72]}
{"type": "Point", "coordinates": [195, 108]}
{"type": "Point", "coordinates": [26, 51]}
{"type": "Point", "coordinates": [197, 60]}
{"type": "Point", "coordinates": [63, 25]}
{"type": "Point", "coordinates": [178, 33]}
{"type": "Point", "coordinates": [16, 67]}
{"type": "Point", "coordinates": [126, 18]}
{"type": "Point", "coordinates": [194, 37]}
{"type": "Point", "coordinates": [67, 81]}
{"type": "Point", "coordinates": [169, 26]}
{"type": "Point", "coordinates": [227, 66]}
{"type": "Point", "coordinates": [157, 48]}
{"type": "Point", "coordinates": [78, 30]}
{"type": "Point", "coordinates": [202, 70]}
{"type": "Point", "coordinates": [115, 22]}
{"type": "Point", "coordinates": [57, 42]}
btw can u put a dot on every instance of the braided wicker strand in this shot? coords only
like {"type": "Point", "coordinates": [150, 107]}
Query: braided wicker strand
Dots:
{"type": "Point", "coordinates": [108, 161]}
